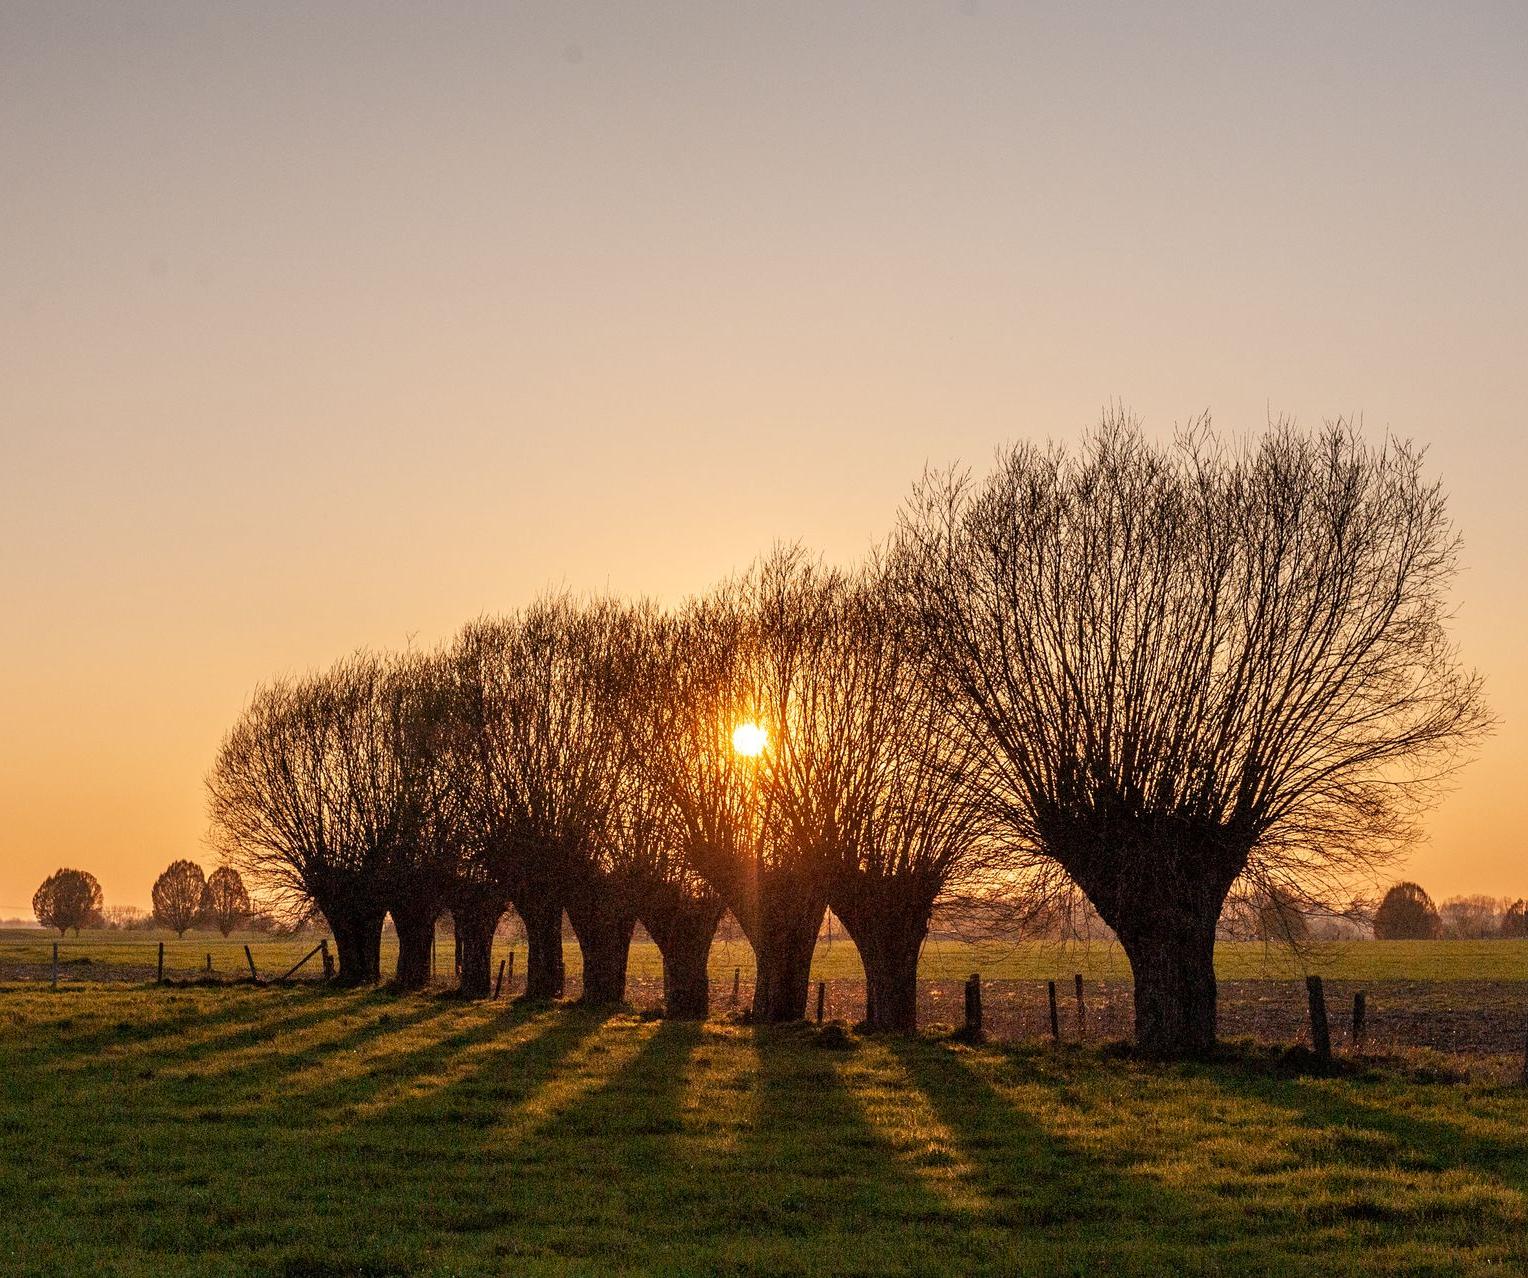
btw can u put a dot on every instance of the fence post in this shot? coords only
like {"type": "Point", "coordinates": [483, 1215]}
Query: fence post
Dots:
{"type": "Point", "coordinates": [323, 948]}
{"type": "Point", "coordinates": [822, 997]}
{"type": "Point", "coordinates": [253, 975]}
{"type": "Point", "coordinates": [1320, 1032]}
{"type": "Point", "coordinates": [209, 964]}
{"type": "Point", "coordinates": [737, 977]}
{"type": "Point", "coordinates": [1525, 1061]}
{"type": "Point", "coordinates": [55, 964]}
{"type": "Point", "coordinates": [511, 971]}
{"type": "Point", "coordinates": [160, 978]}
{"type": "Point", "coordinates": [1055, 1018]}
{"type": "Point", "coordinates": [974, 1005]}
{"type": "Point", "coordinates": [1082, 1011]}
{"type": "Point", "coordinates": [499, 984]}
{"type": "Point", "coordinates": [1359, 1008]}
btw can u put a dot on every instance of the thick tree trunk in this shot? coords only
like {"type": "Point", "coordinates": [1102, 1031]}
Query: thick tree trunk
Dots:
{"type": "Point", "coordinates": [683, 928]}
{"type": "Point", "coordinates": [604, 929]}
{"type": "Point", "coordinates": [475, 926]}
{"type": "Point", "coordinates": [1174, 988]}
{"type": "Point", "coordinates": [541, 912]}
{"type": "Point", "coordinates": [358, 938]}
{"type": "Point", "coordinates": [888, 921]}
{"type": "Point", "coordinates": [416, 934]}
{"type": "Point", "coordinates": [783, 940]}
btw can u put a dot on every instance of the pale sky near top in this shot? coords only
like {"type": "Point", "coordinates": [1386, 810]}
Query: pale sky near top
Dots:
{"type": "Point", "coordinates": [330, 325]}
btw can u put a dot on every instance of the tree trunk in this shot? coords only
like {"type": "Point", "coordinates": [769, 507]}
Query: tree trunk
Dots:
{"type": "Point", "coordinates": [683, 928]}
{"type": "Point", "coordinates": [604, 931]}
{"type": "Point", "coordinates": [416, 934]}
{"type": "Point", "coordinates": [475, 927]}
{"type": "Point", "coordinates": [1174, 988]}
{"type": "Point", "coordinates": [358, 938]}
{"type": "Point", "coordinates": [783, 940]}
{"type": "Point", "coordinates": [888, 921]}
{"type": "Point", "coordinates": [541, 912]}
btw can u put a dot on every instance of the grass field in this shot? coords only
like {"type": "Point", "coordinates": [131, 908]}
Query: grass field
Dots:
{"type": "Point", "coordinates": [303, 1131]}
{"type": "Point", "coordinates": [942, 959]}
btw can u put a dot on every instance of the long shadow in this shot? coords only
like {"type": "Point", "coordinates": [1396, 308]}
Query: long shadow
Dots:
{"type": "Point", "coordinates": [1408, 1139]}
{"type": "Point", "coordinates": [1084, 1202]}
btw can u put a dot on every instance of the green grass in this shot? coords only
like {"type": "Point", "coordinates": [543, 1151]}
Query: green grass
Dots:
{"type": "Point", "coordinates": [302, 1131]}
{"type": "Point", "coordinates": [942, 959]}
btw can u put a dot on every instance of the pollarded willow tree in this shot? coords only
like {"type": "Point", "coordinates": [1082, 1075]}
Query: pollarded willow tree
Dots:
{"type": "Point", "coordinates": [535, 756]}
{"type": "Point", "coordinates": [316, 795]}
{"type": "Point", "coordinates": [873, 779]}
{"type": "Point", "coordinates": [1191, 663]}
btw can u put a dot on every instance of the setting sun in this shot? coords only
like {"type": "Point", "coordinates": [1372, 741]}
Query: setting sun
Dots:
{"type": "Point", "coordinates": [749, 739]}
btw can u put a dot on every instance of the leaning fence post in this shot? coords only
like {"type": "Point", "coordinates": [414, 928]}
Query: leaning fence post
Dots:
{"type": "Point", "coordinates": [499, 984]}
{"type": "Point", "coordinates": [1082, 1011]}
{"type": "Point", "coordinates": [974, 1005]}
{"type": "Point", "coordinates": [1359, 1008]}
{"type": "Point", "coordinates": [822, 997]}
{"type": "Point", "coordinates": [160, 977]}
{"type": "Point", "coordinates": [1054, 1016]}
{"type": "Point", "coordinates": [253, 975]}
{"type": "Point", "coordinates": [55, 964]}
{"type": "Point", "coordinates": [1320, 1032]}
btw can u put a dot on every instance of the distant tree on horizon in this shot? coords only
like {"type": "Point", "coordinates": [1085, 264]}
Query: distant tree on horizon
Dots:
{"type": "Point", "coordinates": [1514, 923]}
{"type": "Point", "coordinates": [225, 900]}
{"type": "Point", "coordinates": [1407, 914]}
{"type": "Point", "coordinates": [1471, 918]}
{"type": "Point", "coordinates": [178, 896]}
{"type": "Point", "coordinates": [68, 899]}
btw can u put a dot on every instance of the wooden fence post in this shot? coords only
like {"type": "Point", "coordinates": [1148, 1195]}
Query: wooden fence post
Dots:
{"type": "Point", "coordinates": [974, 1005]}
{"type": "Point", "coordinates": [822, 998]}
{"type": "Point", "coordinates": [499, 984]}
{"type": "Point", "coordinates": [1359, 1009]}
{"type": "Point", "coordinates": [253, 975]}
{"type": "Point", "coordinates": [511, 972]}
{"type": "Point", "coordinates": [287, 975]}
{"type": "Point", "coordinates": [209, 964]}
{"type": "Point", "coordinates": [55, 964]}
{"type": "Point", "coordinates": [160, 977]}
{"type": "Point", "coordinates": [737, 978]}
{"type": "Point", "coordinates": [1055, 1018]}
{"type": "Point", "coordinates": [323, 948]}
{"type": "Point", "coordinates": [1320, 1032]}
{"type": "Point", "coordinates": [1082, 1011]}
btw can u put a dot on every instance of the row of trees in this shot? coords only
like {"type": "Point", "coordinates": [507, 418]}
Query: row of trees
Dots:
{"type": "Point", "coordinates": [1138, 674]}
{"type": "Point", "coordinates": [183, 898]}
{"type": "Point", "coordinates": [1407, 914]}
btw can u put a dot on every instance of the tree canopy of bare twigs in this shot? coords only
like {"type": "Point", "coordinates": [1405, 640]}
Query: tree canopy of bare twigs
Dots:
{"type": "Point", "coordinates": [1191, 663]}
{"type": "Point", "coordinates": [68, 899]}
{"type": "Point", "coordinates": [177, 896]}
{"type": "Point", "coordinates": [225, 901]}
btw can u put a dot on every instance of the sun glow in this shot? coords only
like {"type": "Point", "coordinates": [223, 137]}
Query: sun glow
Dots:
{"type": "Point", "coordinates": [749, 739]}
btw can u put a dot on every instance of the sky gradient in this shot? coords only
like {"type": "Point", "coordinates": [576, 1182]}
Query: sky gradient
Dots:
{"type": "Point", "coordinates": [334, 325]}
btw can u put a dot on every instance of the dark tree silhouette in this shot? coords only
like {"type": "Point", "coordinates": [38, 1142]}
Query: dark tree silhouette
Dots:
{"type": "Point", "coordinates": [225, 901]}
{"type": "Point", "coordinates": [1407, 914]}
{"type": "Point", "coordinates": [177, 896]}
{"type": "Point", "coordinates": [1514, 923]}
{"type": "Point", "coordinates": [312, 798]}
{"type": "Point", "coordinates": [1193, 663]}
{"type": "Point", "coordinates": [68, 899]}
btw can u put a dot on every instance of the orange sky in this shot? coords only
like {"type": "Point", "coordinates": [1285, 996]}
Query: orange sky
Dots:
{"type": "Point", "coordinates": [323, 326]}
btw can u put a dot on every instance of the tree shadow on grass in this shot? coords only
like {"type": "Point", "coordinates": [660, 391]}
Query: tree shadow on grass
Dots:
{"type": "Point", "coordinates": [1355, 1123]}
{"type": "Point", "coordinates": [1062, 1206]}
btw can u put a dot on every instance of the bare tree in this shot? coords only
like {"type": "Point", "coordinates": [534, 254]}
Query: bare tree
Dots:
{"type": "Point", "coordinates": [536, 755]}
{"type": "Point", "coordinates": [1472, 918]}
{"type": "Point", "coordinates": [673, 902]}
{"type": "Point", "coordinates": [309, 799]}
{"type": "Point", "coordinates": [177, 896]}
{"type": "Point", "coordinates": [1407, 914]}
{"type": "Point", "coordinates": [1194, 663]}
{"type": "Point", "coordinates": [1514, 923]}
{"type": "Point", "coordinates": [68, 899]}
{"type": "Point", "coordinates": [225, 901]}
